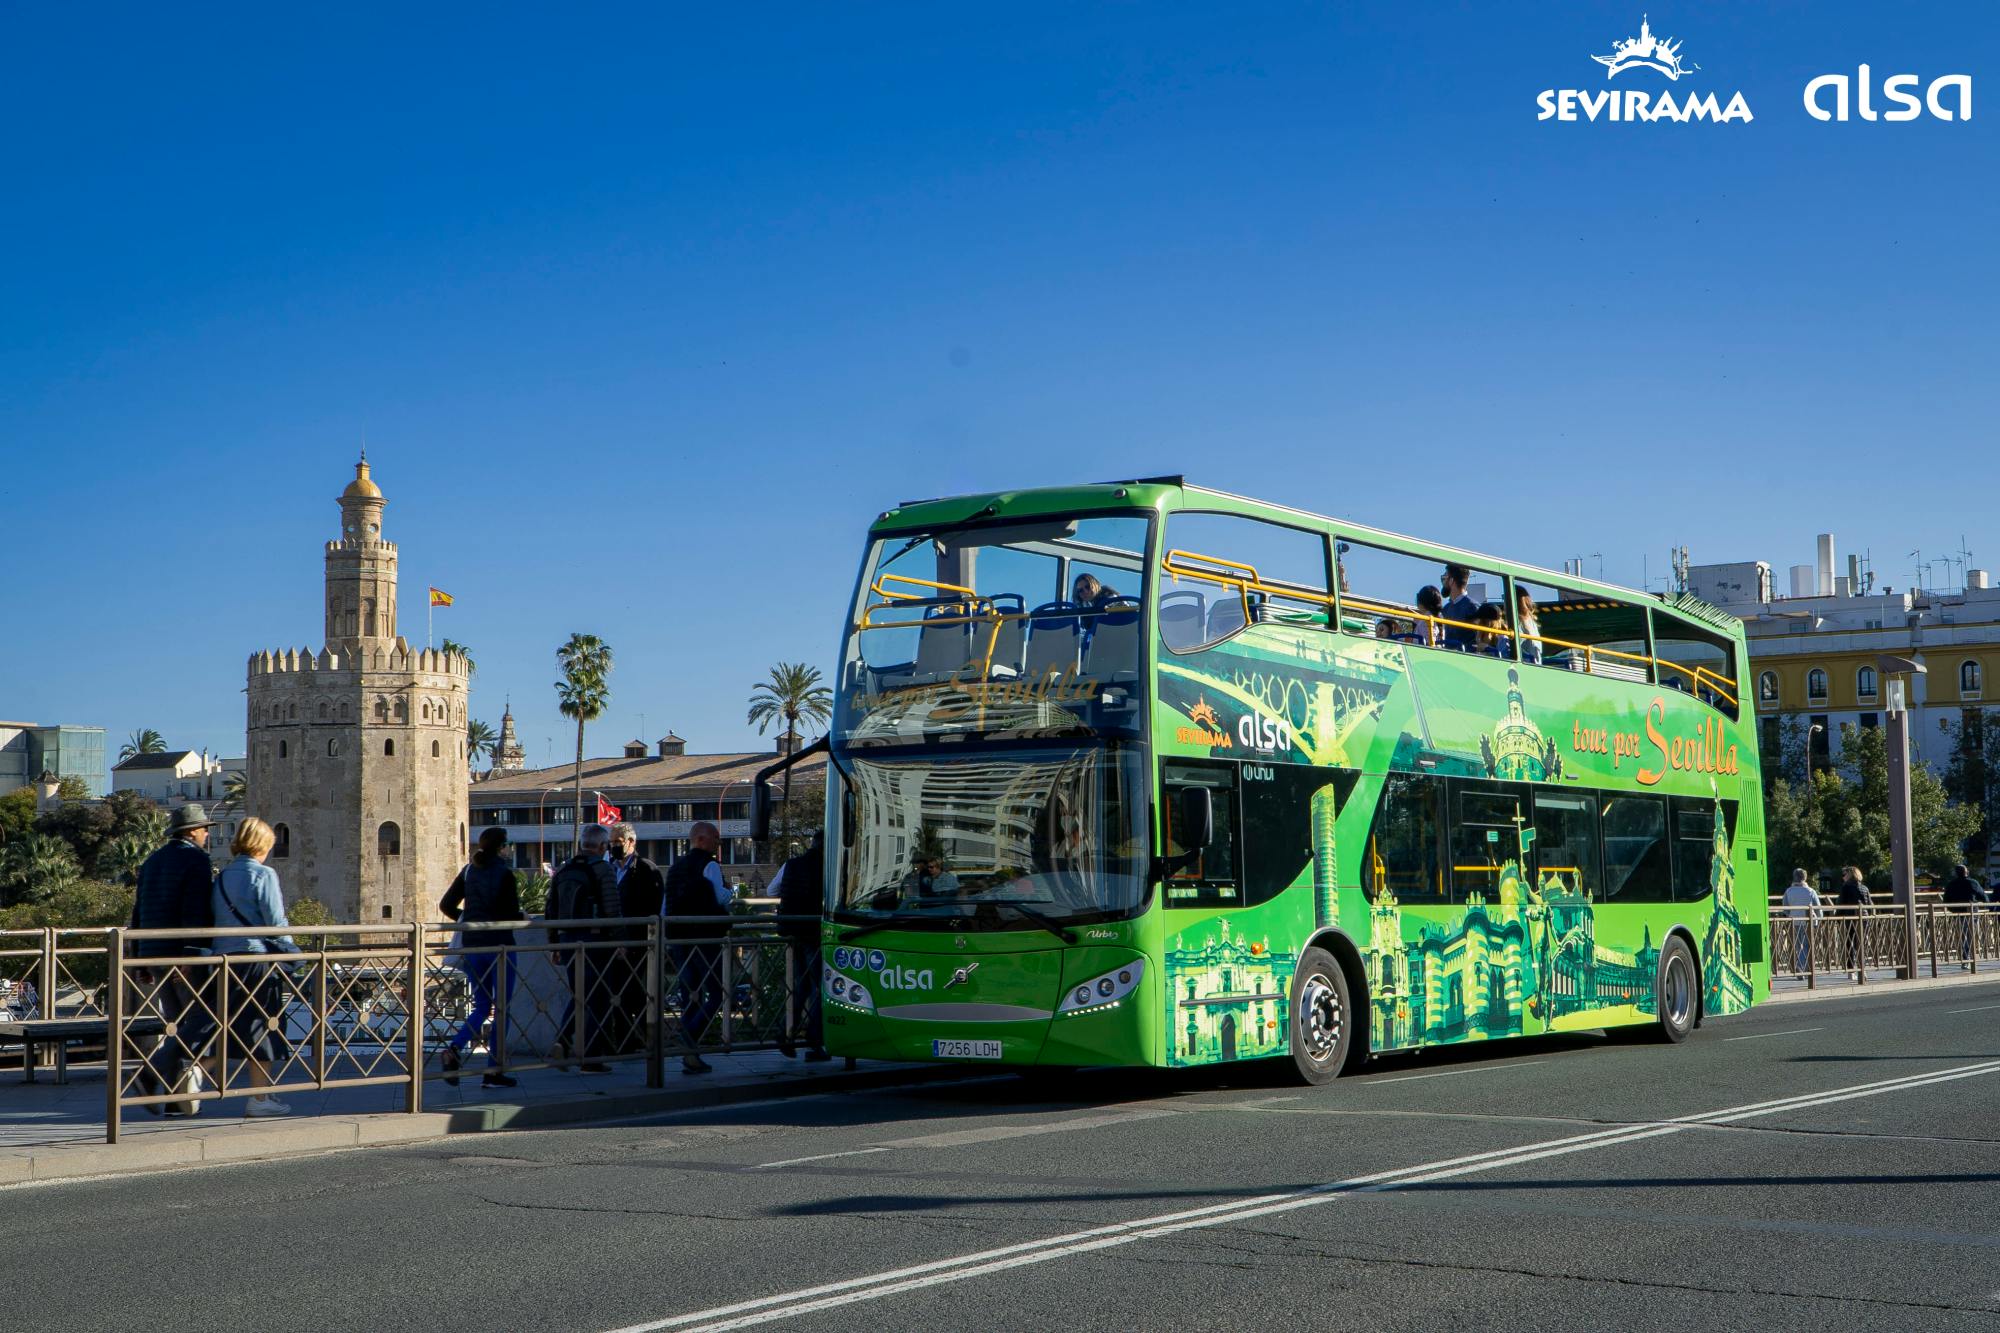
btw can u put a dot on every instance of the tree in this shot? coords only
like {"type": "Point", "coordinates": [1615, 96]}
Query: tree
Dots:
{"type": "Point", "coordinates": [533, 888]}
{"type": "Point", "coordinates": [1836, 820]}
{"type": "Point", "coordinates": [582, 694]}
{"type": "Point", "coordinates": [304, 913]}
{"type": "Point", "coordinates": [147, 741]}
{"type": "Point", "coordinates": [235, 787]}
{"type": "Point", "coordinates": [35, 867]}
{"type": "Point", "coordinates": [71, 789]}
{"type": "Point", "coordinates": [480, 740]}
{"type": "Point", "coordinates": [85, 828]}
{"type": "Point", "coordinates": [793, 692]}
{"type": "Point", "coordinates": [120, 859]}
{"type": "Point", "coordinates": [17, 813]}
{"type": "Point", "coordinates": [454, 646]}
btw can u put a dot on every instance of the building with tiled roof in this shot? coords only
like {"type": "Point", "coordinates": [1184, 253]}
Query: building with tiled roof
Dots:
{"type": "Point", "coordinates": [662, 794]}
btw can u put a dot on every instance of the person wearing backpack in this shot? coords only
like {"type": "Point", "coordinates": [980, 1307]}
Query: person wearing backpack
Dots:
{"type": "Point", "coordinates": [800, 889]}
{"type": "Point", "coordinates": [485, 890]}
{"type": "Point", "coordinates": [695, 889]}
{"type": "Point", "coordinates": [586, 888]}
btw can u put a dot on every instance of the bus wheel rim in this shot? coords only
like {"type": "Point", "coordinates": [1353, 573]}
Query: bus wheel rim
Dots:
{"type": "Point", "coordinates": [1320, 1018]}
{"type": "Point", "coordinates": [1680, 994]}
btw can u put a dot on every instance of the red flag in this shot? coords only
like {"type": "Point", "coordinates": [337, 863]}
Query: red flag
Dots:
{"type": "Point", "coordinates": [607, 813]}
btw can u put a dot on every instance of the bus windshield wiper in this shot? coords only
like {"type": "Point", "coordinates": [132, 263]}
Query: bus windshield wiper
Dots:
{"type": "Point", "coordinates": [1031, 914]}
{"type": "Point", "coordinates": [890, 922]}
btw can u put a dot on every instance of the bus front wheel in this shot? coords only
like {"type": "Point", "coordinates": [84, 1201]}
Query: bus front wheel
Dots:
{"type": "Point", "coordinates": [1676, 992]}
{"type": "Point", "coordinates": [1322, 1017]}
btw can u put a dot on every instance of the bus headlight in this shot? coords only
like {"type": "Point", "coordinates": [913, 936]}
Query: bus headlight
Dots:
{"type": "Point", "coordinates": [1105, 992]}
{"type": "Point", "coordinates": [846, 992]}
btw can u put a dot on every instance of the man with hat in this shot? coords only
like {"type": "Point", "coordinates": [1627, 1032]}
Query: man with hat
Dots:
{"type": "Point", "coordinates": [175, 893]}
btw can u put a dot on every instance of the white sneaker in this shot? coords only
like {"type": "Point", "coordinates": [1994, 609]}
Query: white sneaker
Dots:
{"type": "Point", "coordinates": [264, 1106]}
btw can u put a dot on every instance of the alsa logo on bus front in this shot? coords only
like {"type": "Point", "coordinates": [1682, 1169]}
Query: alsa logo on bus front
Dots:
{"type": "Point", "coordinates": [1707, 751]}
{"type": "Point", "coordinates": [891, 976]}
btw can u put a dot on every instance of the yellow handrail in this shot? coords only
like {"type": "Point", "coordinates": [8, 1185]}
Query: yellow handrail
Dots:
{"type": "Point", "coordinates": [877, 588]}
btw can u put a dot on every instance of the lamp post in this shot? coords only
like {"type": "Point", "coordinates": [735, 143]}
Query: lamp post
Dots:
{"type": "Point", "coordinates": [541, 829]}
{"type": "Point", "coordinates": [1902, 865]}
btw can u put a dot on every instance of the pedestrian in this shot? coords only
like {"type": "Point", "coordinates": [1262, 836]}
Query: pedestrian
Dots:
{"type": "Point", "coordinates": [246, 895]}
{"type": "Point", "coordinates": [1802, 906]}
{"type": "Point", "coordinates": [586, 888]}
{"type": "Point", "coordinates": [695, 889]}
{"type": "Point", "coordinates": [801, 890]}
{"type": "Point", "coordinates": [485, 891]}
{"type": "Point", "coordinates": [641, 888]}
{"type": "Point", "coordinates": [175, 893]}
{"type": "Point", "coordinates": [1853, 893]}
{"type": "Point", "coordinates": [1964, 897]}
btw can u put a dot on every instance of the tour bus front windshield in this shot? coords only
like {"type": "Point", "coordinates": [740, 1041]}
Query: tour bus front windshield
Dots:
{"type": "Point", "coordinates": [1004, 840]}
{"type": "Point", "coordinates": [1023, 629]}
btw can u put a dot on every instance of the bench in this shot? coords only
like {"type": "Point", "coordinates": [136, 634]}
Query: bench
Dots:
{"type": "Point", "coordinates": [60, 1032]}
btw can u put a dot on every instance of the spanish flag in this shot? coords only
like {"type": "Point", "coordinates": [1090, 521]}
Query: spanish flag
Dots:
{"type": "Point", "coordinates": [439, 597]}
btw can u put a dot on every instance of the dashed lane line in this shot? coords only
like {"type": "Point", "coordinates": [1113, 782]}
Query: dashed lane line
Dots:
{"type": "Point", "coordinates": [1788, 1032]}
{"type": "Point", "coordinates": [1450, 1073]}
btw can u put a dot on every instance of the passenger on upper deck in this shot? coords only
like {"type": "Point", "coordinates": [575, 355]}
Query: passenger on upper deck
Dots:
{"type": "Point", "coordinates": [1431, 605]}
{"type": "Point", "coordinates": [1459, 608]}
{"type": "Point", "coordinates": [1090, 591]}
{"type": "Point", "coordinates": [1493, 630]}
{"type": "Point", "coordinates": [1531, 627]}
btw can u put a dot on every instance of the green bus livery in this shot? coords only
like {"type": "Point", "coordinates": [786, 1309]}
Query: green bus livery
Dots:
{"type": "Point", "coordinates": [1148, 774]}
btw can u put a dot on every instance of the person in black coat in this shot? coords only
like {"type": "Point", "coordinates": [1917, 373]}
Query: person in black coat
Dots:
{"type": "Point", "coordinates": [485, 890]}
{"type": "Point", "coordinates": [1964, 896]}
{"type": "Point", "coordinates": [801, 888]}
{"type": "Point", "coordinates": [586, 888]}
{"type": "Point", "coordinates": [176, 892]}
{"type": "Point", "coordinates": [641, 889]}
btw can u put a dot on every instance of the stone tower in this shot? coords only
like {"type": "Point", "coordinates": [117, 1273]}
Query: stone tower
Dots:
{"type": "Point", "coordinates": [508, 756]}
{"type": "Point", "coordinates": [357, 752]}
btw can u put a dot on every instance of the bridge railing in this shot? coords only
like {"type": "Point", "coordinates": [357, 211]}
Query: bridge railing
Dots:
{"type": "Point", "coordinates": [54, 971]}
{"type": "Point", "coordinates": [361, 1006]}
{"type": "Point", "coordinates": [1841, 942]}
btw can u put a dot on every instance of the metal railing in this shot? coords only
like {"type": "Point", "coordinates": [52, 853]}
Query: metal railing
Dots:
{"type": "Point", "coordinates": [1816, 942]}
{"type": "Point", "coordinates": [54, 971]}
{"type": "Point", "coordinates": [360, 1006]}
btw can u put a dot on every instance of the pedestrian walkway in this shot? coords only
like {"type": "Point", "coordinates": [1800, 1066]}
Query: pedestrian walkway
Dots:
{"type": "Point", "coordinates": [1787, 987]}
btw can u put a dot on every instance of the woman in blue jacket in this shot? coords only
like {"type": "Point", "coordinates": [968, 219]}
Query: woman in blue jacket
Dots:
{"type": "Point", "coordinates": [246, 895]}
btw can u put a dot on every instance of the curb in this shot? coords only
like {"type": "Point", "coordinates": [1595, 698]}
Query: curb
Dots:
{"type": "Point", "coordinates": [1847, 990]}
{"type": "Point", "coordinates": [221, 1142]}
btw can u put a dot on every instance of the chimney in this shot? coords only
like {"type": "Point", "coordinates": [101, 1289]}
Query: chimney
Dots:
{"type": "Point", "coordinates": [635, 749]}
{"type": "Point", "coordinates": [787, 743]}
{"type": "Point", "coordinates": [1975, 579]}
{"type": "Point", "coordinates": [1842, 587]}
{"type": "Point", "coordinates": [671, 745]}
{"type": "Point", "coordinates": [1853, 576]}
{"type": "Point", "coordinates": [1823, 583]}
{"type": "Point", "coordinates": [1802, 580]}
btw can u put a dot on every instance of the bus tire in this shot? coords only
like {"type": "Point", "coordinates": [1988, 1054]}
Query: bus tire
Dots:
{"type": "Point", "coordinates": [1676, 992]}
{"type": "Point", "coordinates": [1322, 1018]}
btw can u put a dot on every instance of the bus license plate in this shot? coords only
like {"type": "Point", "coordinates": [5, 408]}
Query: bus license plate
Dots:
{"type": "Point", "coordinates": [965, 1050]}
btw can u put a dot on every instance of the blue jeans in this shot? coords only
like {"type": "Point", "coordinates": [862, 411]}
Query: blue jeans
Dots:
{"type": "Point", "coordinates": [699, 969]}
{"type": "Point", "coordinates": [479, 972]}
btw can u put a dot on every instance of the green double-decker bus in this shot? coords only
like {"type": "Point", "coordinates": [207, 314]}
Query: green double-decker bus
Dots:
{"type": "Point", "coordinates": [1147, 774]}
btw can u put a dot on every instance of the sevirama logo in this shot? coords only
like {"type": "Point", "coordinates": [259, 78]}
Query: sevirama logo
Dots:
{"type": "Point", "coordinates": [1641, 55]}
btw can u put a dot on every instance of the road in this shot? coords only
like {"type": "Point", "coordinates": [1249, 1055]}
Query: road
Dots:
{"type": "Point", "coordinates": [1825, 1165]}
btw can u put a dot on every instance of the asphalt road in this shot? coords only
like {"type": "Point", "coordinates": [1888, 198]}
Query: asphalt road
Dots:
{"type": "Point", "coordinates": [1825, 1165]}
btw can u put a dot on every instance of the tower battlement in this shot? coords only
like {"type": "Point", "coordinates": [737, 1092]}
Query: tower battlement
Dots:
{"type": "Point", "coordinates": [399, 657]}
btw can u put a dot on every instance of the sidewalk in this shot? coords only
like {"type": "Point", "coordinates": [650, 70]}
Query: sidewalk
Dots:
{"type": "Point", "coordinates": [1883, 979]}
{"type": "Point", "coordinates": [50, 1133]}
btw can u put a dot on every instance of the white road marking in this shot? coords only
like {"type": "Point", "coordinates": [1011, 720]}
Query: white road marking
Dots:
{"type": "Point", "coordinates": [1450, 1073]}
{"type": "Point", "coordinates": [819, 1157]}
{"type": "Point", "coordinates": [1789, 1032]}
{"type": "Point", "coordinates": [873, 1286]}
{"type": "Point", "coordinates": [1976, 1009]}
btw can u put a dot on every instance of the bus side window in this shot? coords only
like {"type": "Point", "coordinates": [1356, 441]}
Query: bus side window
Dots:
{"type": "Point", "coordinates": [1694, 844]}
{"type": "Point", "coordinates": [1403, 857]}
{"type": "Point", "coordinates": [1278, 817]}
{"type": "Point", "coordinates": [1212, 880]}
{"type": "Point", "coordinates": [1488, 820]}
{"type": "Point", "coordinates": [1566, 842]}
{"type": "Point", "coordinates": [1635, 850]}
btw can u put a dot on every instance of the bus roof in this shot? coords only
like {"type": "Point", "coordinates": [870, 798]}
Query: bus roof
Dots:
{"type": "Point", "coordinates": [1149, 492]}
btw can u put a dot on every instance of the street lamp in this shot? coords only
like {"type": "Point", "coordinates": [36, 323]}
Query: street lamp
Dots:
{"type": "Point", "coordinates": [1902, 865]}
{"type": "Point", "coordinates": [541, 830]}
{"type": "Point", "coordinates": [1815, 727]}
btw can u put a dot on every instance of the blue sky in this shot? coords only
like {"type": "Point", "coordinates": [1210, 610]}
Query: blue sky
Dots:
{"type": "Point", "coordinates": [644, 313]}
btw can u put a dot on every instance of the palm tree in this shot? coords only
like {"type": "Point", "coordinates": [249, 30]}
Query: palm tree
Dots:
{"type": "Point", "coordinates": [147, 741]}
{"type": "Point", "coordinates": [35, 865]}
{"type": "Point", "coordinates": [454, 646]}
{"type": "Point", "coordinates": [793, 692]}
{"type": "Point", "coordinates": [235, 786]}
{"type": "Point", "coordinates": [480, 739]}
{"type": "Point", "coordinates": [582, 694]}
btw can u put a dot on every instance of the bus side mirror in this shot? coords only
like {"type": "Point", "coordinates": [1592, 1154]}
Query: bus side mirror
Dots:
{"type": "Point", "coordinates": [760, 812]}
{"type": "Point", "coordinates": [1195, 818]}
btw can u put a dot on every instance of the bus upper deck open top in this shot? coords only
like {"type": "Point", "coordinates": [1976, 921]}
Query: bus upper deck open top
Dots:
{"type": "Point", "coordinates": [1143, 773]}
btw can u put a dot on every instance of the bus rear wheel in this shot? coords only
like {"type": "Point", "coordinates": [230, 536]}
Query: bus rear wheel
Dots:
{"type": "Point", "coordinates": [1322, 1018]}
{"type": "Point", "coordinates": [1676, 992]}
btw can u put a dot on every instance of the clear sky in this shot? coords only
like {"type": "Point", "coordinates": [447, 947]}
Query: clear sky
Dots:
{"type": "Point", "coordinates": [644, 313]}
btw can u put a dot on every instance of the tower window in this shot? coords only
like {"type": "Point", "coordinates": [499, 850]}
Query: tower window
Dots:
{"type": "Point", "coordinates": [333, 749]}
{"type": "Point", "coordinates": [389, 748]}
{"type": "Point", "coordinates": [283, 845]}
{"type": "Point", "coordinates": [385, 911]}
{"type": "Point", "coordinates": [434, 749]}
{"type": "Point", "coordinates": [281, 749]}
{"type": "Point", "coordinates": [389, 840]}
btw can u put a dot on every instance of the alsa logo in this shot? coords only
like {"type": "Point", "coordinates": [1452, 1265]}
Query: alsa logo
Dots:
{"type": "Point", "coordinates": [1897, 88]}
{"type": "Point", "coordinates": [904, 978]}
{"type": "Point", "coordinates": [1642, 53]}
{"type": "Point", "coordinates": [1254, 731]}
